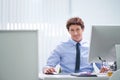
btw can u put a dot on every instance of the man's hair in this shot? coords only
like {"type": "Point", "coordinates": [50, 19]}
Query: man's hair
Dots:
{"type": "Point", "coordinates": [75, 21]}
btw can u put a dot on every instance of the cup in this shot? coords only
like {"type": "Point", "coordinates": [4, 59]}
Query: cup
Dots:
{"type": "Point", "coordinates": [109, 73]}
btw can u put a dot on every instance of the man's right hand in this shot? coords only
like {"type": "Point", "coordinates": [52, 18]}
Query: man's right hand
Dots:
{"type": "Point", "coordinates": [49, 70]}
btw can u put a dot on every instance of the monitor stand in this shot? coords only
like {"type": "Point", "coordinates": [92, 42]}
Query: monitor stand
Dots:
{"type": "Point", "coordinates": [117, 47]}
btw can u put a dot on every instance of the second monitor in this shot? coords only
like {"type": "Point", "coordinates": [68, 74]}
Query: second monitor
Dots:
{"type": "Point", "coordinates": [105, 43]}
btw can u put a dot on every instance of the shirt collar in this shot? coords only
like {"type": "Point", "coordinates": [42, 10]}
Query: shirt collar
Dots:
{"type": "Point", "coordinates": [74, 42]}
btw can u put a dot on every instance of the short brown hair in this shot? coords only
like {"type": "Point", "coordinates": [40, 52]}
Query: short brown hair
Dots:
{"type": "Point", "coordinates": [75, 21]}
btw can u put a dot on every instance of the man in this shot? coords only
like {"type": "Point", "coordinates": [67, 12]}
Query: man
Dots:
{"type": "Point", "coordinates": [65, 54]}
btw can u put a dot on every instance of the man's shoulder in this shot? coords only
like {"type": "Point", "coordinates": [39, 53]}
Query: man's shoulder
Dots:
{"type": "Point", "coordinates": [64, 43]}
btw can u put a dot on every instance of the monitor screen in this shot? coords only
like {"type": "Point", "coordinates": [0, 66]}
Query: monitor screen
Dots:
{"type": "Point", "coordinates": [104, 40]}
{"type": "Point", "coordinates": [18, 55]}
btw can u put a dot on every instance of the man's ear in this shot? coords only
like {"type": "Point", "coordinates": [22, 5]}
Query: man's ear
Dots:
{"type": "Point", "coordinates": [68, 31]}
{"type": "Point", "coordinates": [83, 30]}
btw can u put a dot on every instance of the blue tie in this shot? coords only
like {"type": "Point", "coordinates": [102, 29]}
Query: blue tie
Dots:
{"type": "Point", "coordinates": [77, 64]}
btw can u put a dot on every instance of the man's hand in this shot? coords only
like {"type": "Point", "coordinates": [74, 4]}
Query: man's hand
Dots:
{"type": "Point", "coordinates": [49, 70]}
{"type": "Point", "coordinates": [104, 69]}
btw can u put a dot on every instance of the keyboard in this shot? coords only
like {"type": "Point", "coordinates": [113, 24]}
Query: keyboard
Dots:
{"type": "Point", "coordinates": [83, 74]}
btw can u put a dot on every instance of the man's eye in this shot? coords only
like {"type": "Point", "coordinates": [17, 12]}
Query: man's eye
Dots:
{"type": "Point", "coordinates": [72, 30]}
{"type": "Point", "coordinates": [78, 29]}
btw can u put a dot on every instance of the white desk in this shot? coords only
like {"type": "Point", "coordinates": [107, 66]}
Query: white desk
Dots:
{"type": "Point", "coordinates": [69, 77]}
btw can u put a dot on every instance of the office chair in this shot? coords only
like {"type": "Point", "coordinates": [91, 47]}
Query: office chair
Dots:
{"type": "Point", "coordinates": [116, 75]}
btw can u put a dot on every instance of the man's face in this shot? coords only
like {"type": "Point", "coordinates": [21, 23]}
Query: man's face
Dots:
{"type": "Point", "coordinates": [76, 32]}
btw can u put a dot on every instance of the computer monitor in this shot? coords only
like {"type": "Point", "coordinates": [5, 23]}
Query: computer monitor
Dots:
{"type": "Point", "coordinates": [104, 43]}
{"type": "Point", "coordinates": [18, 55]}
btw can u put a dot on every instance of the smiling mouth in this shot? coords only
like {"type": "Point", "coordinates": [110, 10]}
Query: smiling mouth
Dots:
{"type": "Point", "coordinates": [77, 36]}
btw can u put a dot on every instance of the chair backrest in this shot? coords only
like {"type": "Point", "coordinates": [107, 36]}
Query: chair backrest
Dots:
{"type": "Point", "coordinates": [115, 76]}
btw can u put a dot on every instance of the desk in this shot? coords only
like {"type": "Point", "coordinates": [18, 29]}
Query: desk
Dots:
{"type": "Point", "coordinates": [69, 77]}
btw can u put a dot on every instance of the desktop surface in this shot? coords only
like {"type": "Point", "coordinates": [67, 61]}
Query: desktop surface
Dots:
{"type": "Point", "coordinates": [69, 77]}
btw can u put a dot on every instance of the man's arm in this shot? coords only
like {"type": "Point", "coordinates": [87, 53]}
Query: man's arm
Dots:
{"type": "Point", "coordinates": [103, 69]}
{"type": "Point", "coordinates": [52, 61]}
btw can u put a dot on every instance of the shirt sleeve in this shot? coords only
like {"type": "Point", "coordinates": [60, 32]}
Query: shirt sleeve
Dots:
{"type": "Point", "coordinates": [99, 65]}
{"type": "Point", "coordinates": [54, 58]}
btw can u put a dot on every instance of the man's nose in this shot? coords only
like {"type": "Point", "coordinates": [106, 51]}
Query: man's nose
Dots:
{"type": "Point", "coordinates": [75, 33]}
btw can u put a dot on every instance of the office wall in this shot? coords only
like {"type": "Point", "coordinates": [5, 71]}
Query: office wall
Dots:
{"type": "Point", "coordinates": [51, 15]}
{"type": "Point", "coordinates": [97, 12]}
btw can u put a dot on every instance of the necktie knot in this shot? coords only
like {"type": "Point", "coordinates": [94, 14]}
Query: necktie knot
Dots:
{"type": "Point", "coordinates": [77, 44]}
